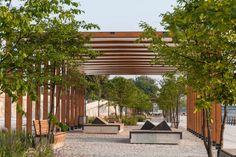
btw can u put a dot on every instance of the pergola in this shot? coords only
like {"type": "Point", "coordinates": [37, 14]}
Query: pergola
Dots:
{"type": "Point", "coordinates": [121, 54]}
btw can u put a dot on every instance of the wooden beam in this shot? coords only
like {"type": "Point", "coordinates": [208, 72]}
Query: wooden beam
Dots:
{"type": "Point", "coordinates": [118, 47]}
{"type": "Point", "coordinates": [118, 34]}
{"type": "Point", "coordinates": [124, 68]}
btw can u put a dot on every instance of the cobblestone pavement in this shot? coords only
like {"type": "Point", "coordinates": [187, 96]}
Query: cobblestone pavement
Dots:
{"type": "Point", "coordinates": [78, 144]}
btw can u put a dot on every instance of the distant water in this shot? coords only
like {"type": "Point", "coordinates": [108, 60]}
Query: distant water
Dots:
{"type": "Point", "coordinates": [231, 111]}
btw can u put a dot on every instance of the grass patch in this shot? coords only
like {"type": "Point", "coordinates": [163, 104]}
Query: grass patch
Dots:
{"type": "Point", "coordinates": [21, 144]}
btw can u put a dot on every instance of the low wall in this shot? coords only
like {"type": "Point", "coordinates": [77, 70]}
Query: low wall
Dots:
{"type": "Point", "coordinates": [155, 137]}
{"type": "Point", "coordinates": [103, 129]}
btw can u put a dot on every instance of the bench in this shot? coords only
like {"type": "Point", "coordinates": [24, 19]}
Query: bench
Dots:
{"type": "Point", "coordinates": [100, 126]}
{"type": "Point", "coordinates": [228, 153]}
{"type": "Point", "coordinates": [103, 129]}
{"type": "Point", "coordinates": [155, 137]}
{"type": "Point", "coordinates": [58, 137]}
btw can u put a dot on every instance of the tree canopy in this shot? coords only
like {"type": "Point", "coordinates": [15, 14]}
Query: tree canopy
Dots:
{"type": "Point", "coordinates": [147, 85]}
{"type": "Point", "coordinates": [36, 38]}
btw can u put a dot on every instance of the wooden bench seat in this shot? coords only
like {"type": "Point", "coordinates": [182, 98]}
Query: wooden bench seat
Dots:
{"type": "Point", "coordinates": [58, 137]}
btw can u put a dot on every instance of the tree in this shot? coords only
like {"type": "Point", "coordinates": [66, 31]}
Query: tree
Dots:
{"type": "Point", "coordinates": [147, 85]}
{"type": "Point", "coordinates": [108, 94]}
{"type": "Point", "coordinates": [203, 34]}
{"type": "Point", "coordinates": [125, 94]}
{"type": "Point", "coordinates": [40, 46]}
{"type": "Point", "coordinates": [141, 102]}
{"type": "Point", "coordinates": [95, 88]}
{"type": "Point", "coordinates": [169, 98]}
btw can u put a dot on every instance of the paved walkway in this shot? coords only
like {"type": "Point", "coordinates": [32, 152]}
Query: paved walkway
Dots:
{"type": "Point", "coordinates": [78, 144]}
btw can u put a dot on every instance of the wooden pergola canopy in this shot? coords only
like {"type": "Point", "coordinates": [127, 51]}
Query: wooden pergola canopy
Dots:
{"type": "Point", "coordinates": [122, 55]}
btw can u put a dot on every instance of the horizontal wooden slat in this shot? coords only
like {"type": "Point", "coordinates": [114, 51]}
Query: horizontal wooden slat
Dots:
{"type": "Point", "coordinates": [117, 34]}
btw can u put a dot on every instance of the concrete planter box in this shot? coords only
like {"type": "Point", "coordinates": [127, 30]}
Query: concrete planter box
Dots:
{"type": "Point", "coordinates": [155, 137]}
{"type": "Point", "coordinates": [103, 129]}
{"type": "Point", "coordinates": [228, 153]}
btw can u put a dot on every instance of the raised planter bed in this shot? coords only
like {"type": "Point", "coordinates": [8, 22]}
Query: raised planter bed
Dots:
{"type": "Point", "coordinates": [151, 134]}
{"type": "Point", "coordinates": [100, 126]}
{"type": "Point", "coordinates": [155, 137]}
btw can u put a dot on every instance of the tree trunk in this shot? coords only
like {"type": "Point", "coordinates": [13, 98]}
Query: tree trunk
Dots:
{"type": "Point", "coordinates": [207, 125]}
{"type": "Point", "coordinates": [99, 98]}
{"type": "Point", "coordinates": [51, 113]}
{"type": "Point", "coordinates": [222, 131]}
{"type": "Point", "coordinates": [115, 107]}
{"type": "Point", "coordinates": [108, 109]}
{"type": "Point", "coordinates": [177, 113]}
{"type": "Point", "coordinates": [126, 111]}
{"type": "Point", "coordinates": [98, 107]}
{"type": "Point", "coordinates": [121, 109]}
{"type": "Point", "coordinates": [209, 131]}
{"type": "Point", "coordinates": [172, 117]}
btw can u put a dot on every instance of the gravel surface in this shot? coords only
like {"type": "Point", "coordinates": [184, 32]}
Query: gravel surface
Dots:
{"type": "Point", "coordinates": [78, 144]}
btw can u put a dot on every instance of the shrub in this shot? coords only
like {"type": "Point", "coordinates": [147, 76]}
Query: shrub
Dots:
{"type": "Point", "coordinates": [140, 118]}
{"type": "Point", "coordinates": [90, 119]}
{"type": "Point", "coordinates": [129, 121]}
{"type": "Point", "coordinates": [14, 144]}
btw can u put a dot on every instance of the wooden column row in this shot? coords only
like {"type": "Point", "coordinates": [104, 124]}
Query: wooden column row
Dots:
{"type": "Point", "coordinates": [71, 106]}
{"type": "Point", "coordinates": [195, 119]}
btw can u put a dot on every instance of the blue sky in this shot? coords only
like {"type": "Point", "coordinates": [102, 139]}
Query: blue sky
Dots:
{"type": "Point", "coordinates": [125, 15]}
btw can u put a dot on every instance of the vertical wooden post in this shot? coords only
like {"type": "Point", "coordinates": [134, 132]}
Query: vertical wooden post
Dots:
{"type": "Point", "coordinates": [63, 105]}
{"type": "Point", "coordinates": [45, 92]}
{"type": "Point", "coordinates": [76, 107]}
{"type": "Point", "coordinates": [7, 112]}
{"type": "Point", "coordinates": [68, 106]}
{"type": "Point", "coordinates": [37, 104]}
{"type": "Point", "coordinates": [45, 101]}
{"type": "Point", "coordinates": [19, 115]}
{"type": "Point", "coordinates": [29, 115]}
{"type": "Point", "coordinates": [81, 102]}
{"type": "Point", "coordinates": [58, 103]}
{"type": "Point", "coordinates": [72, 107]}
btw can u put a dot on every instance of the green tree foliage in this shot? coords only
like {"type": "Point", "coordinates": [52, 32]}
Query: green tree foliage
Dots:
{"type": "Point", "coordinates": [126, 94]}
{"type": "Point", "coordinates": [147, 85]}
{"type": "Point", "coordinates": [171, 92]}
{"type": "Point", "coordinates": [40, 46]}
{"type": "Point", "coordinates": [95, 86]}
{"type": "Point", "coordinates": [36, 37]}
{"type": "Point", "coordinates": [203, 49]}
